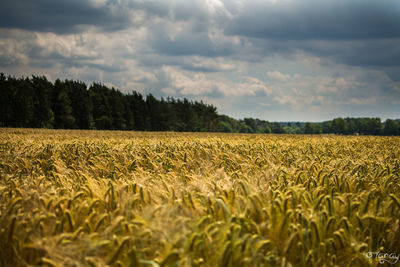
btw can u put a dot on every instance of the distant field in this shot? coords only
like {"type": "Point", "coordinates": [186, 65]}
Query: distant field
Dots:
{"type": "Point", "coordinates": [97, 198]}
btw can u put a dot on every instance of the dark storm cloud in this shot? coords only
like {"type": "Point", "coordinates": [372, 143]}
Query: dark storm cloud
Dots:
{"type": "Point", "coordinates": [374, 53]}
{"type": "Point", "coordinates": [355, 33]}
{"type": "Point", "coordinates": [62, 16]}
{"type": "Point", "coordinates": [318, 20]}
{"type": "Point", "coordinates": [368, 53]}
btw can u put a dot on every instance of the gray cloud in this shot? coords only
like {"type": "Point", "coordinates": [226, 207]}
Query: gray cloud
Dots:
{"type": "Point", "coordinates": [318, 20]}
{"type": "Point", "coordinates": [191, 44]}
{"type": "Point", "coordinates": [373, 53]}
{"type": "Point", "coordinates": [276, 60]}
{"type": "Point", "coordinates": [356, 33]}
{"type": "Point", "coordinates": [62, 16]}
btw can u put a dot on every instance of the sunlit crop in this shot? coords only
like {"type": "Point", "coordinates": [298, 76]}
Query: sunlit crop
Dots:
{"type": "Point", "coordinates": [97, 198]}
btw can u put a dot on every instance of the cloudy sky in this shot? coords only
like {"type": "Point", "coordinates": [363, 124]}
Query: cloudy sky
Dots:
{"type": "Point", "coordinates": [279, 60]}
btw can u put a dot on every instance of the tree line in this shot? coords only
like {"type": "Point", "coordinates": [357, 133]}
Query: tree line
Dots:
{"type": "Point", "coordinates": [38, 103]}
{"type": "Point", "coordinates": [343, 126]}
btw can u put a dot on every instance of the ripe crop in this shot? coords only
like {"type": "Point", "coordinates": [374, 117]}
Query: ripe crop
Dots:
{"type": "Point", "coordinates": [98, 198]}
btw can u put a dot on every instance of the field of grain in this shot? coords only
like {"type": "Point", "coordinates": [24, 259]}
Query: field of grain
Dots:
{"type": "Point", "coordinates": [98, 198]}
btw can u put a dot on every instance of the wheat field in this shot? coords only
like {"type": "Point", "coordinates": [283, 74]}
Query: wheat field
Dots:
{"type": "Point", "coordinates": [109, 198]}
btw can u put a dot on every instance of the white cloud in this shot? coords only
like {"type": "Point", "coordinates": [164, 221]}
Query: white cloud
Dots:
{"type": "Point", "coordinates": [361, 101]}
{"type": "Point", "coordinates": [197, 83]}
{"type": "Point", "coordinates": [72, 46]}
{"type": "Point", "coordinates": [168, 91]}
{"type": "Point", "coordinates": [216, 7]}
{"type": "Point", "coordinates": [208, 64]}
{"type": "Point", "coordinates": [277, 75]}
{"type": "Point", "coordinates": [98, 3]}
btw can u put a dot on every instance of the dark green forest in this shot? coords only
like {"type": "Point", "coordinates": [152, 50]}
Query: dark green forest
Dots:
{"type": "Point", "coordinates": [38, 103]}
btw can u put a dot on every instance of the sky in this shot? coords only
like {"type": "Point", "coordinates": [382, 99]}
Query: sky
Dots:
{"type": "Point", "coordinates": [277, 60]}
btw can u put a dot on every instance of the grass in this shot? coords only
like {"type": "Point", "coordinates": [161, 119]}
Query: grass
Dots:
{"type": "Point", "coordinates": [99, 198]}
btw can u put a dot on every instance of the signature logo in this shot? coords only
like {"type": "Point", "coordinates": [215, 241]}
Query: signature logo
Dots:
{"type": "Point", "coordinates": [383, 257]}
